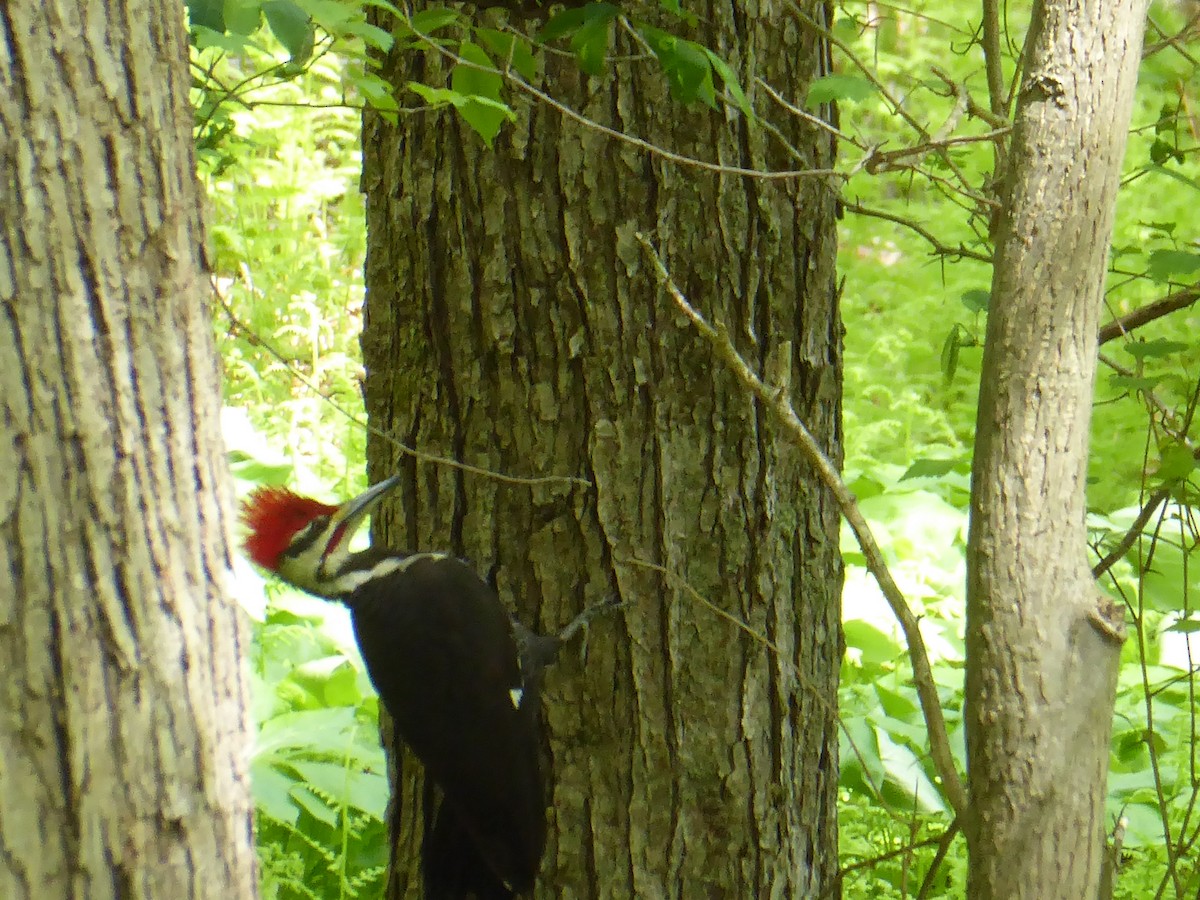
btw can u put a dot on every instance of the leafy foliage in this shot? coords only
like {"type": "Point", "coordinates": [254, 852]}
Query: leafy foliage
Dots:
{"type": "Point", "coordinates": [276, 136]}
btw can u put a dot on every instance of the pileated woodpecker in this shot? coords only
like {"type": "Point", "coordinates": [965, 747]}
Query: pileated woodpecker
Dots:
{"type": "Point", "coordinates": [455, 672]}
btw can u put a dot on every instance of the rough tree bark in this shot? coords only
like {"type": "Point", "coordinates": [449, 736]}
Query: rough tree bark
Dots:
{"type": "Point", "coordinates": [1042, 645]}
{"type": "Point", "coordinates": [124, 739]}
{"type": "Point", "coordinates": [514, 323]}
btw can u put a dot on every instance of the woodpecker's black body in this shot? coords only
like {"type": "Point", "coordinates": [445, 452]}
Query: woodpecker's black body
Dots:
{"type": "Point", "coordinates": [457, 675]}
{"type": "Point", "coordinates": [440, 651]}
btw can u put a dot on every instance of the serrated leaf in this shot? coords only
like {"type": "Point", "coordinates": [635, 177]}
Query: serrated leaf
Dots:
{"type": "Point", "coordinates": [846, 88]}
{"type": "Point", "coordinates": [436, 96]}
{"type": "Point", "coordinates": [1156, 348]}
{"type": "Point", "coordinates": [365, 791]}
{"type": "Point", "coordinates": [314, 805]}
{"type": "Point", "coordinates": [292, 27]}
{"type": "Point", "coordinates": [929, 468]}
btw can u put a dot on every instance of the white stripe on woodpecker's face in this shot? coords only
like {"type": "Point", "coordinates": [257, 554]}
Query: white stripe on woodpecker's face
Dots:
{"type": "Point", "coordinates": [351, 581]}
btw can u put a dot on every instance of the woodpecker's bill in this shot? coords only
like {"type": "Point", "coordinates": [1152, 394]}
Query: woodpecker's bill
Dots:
{"type": "Point", "coordinates": [440, 650]}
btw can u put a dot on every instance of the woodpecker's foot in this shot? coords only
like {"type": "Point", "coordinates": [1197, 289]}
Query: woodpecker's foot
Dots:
{"type": "Point", "coordinates": [581, 621]}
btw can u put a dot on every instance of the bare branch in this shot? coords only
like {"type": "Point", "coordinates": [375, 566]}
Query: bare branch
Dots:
{"type": "Point", "coordinates": [1148, 313]}
{"type": "Point", "coordinates": [777, 401]}
{"type": "Point", "coordinates": [939, 248]}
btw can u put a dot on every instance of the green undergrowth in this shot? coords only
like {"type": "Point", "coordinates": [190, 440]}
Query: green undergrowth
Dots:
{"type": "Point", "coordinates": [287, 239]}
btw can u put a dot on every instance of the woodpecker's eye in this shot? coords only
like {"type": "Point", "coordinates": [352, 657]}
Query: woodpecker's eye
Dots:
{"type": "Point", "coordinates": [305, 538]}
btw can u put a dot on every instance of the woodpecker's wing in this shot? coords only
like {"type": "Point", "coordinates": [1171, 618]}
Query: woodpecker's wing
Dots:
{"type": "Point", "coordinates": [440, 651]}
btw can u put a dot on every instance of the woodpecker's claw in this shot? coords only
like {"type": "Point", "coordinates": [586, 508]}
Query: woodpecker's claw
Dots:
{"type": "Point", "coordinates": [581, 621]}
{"type": "Point", "coordinates": [537, 651]}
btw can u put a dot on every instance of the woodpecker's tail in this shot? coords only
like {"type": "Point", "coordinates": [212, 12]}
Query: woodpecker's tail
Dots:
{"type": "Point", "coordinates": [452, 866]}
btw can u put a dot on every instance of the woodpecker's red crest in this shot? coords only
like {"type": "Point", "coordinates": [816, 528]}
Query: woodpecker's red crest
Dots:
{"type": "Point", "coordinates": [273, 516]}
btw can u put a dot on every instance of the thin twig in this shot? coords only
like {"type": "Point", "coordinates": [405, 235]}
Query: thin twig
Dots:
{"type": "Point", "coordinates": [1149, 313]}
{"type": "Point", "coordinates": [419, 455]}
{"type": "Point", "coordinates": [939, 248]}
{"type": "Point", "coordinates": [777, 401]}
{"type": "Point", "coordinates": [1135, 531]}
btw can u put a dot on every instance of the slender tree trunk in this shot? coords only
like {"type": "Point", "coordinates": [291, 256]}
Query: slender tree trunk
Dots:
{"type": "Point", "coordinates": [514, 323]}
{"type": "Point", "coordinates": [124, 739]}
{"type": "Point", "coordinates": [1043, 646]}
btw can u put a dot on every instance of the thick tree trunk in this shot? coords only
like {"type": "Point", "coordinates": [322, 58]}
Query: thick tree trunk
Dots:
{"type": "Point", "coordinates": [124, 739]}
{"type": "Point", "coordinates": [1042, 645]}
{"type": "Point", "coordinates": [514, 323]}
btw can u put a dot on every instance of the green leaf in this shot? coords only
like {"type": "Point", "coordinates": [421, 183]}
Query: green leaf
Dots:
{"type": "Point", "coordinates": [847, 88]}
{"type": "Point", "coordinates": [1132, 383]}
{"type": "Point", "coordinates": [904, 771]}
{"type": "Point", "coordinates": [930, 468]}
{"type": "Point", "coordinates": [590, 45]}
{"type": "Point", "coordinates": [427, 21]}
{"type": "Point", "coordinates": [315, 805]}
{"type": "Point", "coordinates": [685, 63]}
{"type": "Point", "coordinates": [436, 96]}
{"type": "Point", "coordinates": [1155, 348]}
{"type": "Point", "coordinates": [486, 116]}
{"type": "Point", "coordinates": [950, 348]}
{"type": "Point", "coordinates": [231, 43]}
{"type": "Point", "coordinates": [571, 20]}
{"type": "Point", "coordinates": [373, 36]}
{"type": "Point", "coordinates": [366, 791]}
{"type": "Point", "coordinates": [301, 729]}
{"type": "Point", "coordinates": [1177, 462]}
{"type": "Point", "coordinates": [375, 90]}
{"type": "Point", "coordinates": [273, 793]}
{"type": "Point", "coordinates": [732, 85]}
{"type": "Point", "coordinates": [243, 16]}
{"type": "Point", "coordinates": [479, 101]}
{"type": "Point", "coordinates": [471, 81]}
{"type": "Point", "coordinates": [1172, 265]}
{"type": "Point", "coordinates": [976, 300]}
{"type": "Point", "coordinates": [207, 14]}
{"type": "Point", "coordinates": [1185, 626]}
{"type": "Point", "coordinates": [874, 647]}
{"type": "Point", "coordinates": [510, 49]}
{"type": "Point", "coordinates": [291, 25]}
{"type": "Point", "coordinates": [1162, 152]}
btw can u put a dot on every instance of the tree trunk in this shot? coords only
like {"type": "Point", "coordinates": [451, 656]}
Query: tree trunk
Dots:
{"type": "Point", "coordinates": [124, 739]}
{"type": "Point", "coordinates": [514, 323]}
{"type": "Point", "coordinates": [1042, 645]}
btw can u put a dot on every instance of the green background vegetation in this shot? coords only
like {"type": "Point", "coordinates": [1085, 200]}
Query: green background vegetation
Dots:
{"type": "Point", "coordinates": [277, 132]}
